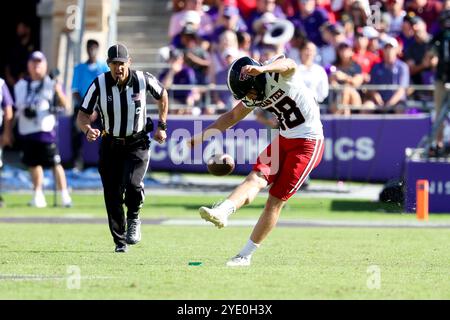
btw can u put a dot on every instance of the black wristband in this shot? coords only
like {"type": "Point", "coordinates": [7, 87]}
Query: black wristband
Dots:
{"type": "Point", "coordinates": [162, 125]}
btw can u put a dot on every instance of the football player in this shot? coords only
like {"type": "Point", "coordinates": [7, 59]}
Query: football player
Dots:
{"type": "Point", "coordinates": [275, 87]}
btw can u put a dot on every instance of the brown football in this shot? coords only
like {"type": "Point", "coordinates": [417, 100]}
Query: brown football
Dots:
{"type": "Point", "coordinates": [220, 164]}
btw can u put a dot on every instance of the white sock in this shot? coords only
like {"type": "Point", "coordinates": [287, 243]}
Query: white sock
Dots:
{"type": "Point", "coordinates": [249, 248]}
{"type": "Point", "coordinates": [228, 206]}
{"type": "Point", "coordinates": [65, 194]}
{"type": "Point", "coordinates": [39, 193]}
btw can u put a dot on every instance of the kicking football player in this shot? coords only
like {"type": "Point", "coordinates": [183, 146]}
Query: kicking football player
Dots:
{"type": "Point", "coordinates": [287, 161]}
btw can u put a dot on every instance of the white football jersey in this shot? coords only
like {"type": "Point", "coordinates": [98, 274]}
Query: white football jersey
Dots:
{"type": "Point", "coordinates": [293, 104]}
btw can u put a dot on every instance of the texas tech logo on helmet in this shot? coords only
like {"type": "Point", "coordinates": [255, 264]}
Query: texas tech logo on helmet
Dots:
{"type": "Point", "coordinates": [244, 76]}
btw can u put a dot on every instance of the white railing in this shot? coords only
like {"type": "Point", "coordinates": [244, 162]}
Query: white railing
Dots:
{"type": "Point", "coordinates": [208, 89]}
{"type": "Point", "coordinates": [424, 105]}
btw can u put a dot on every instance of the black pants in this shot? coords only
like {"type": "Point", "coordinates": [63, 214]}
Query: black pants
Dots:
{"type": "Point", "coordinates": [122, 169]}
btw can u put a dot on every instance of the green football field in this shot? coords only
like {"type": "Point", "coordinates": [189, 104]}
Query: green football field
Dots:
{"type": "Point", "coordinates": [74, 259]}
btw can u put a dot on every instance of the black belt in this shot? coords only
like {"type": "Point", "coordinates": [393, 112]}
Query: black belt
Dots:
{"type": "Point", "coordinates": [130, 140]}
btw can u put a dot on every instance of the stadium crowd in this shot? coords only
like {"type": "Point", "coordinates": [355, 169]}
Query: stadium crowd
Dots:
{"type": "Point", "coordinates": [339, 43]}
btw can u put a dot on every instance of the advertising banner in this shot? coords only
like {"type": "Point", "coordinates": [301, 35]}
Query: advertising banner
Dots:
{"type": "Point", "coordinates": [438, 175]}
{"type": "Point", "coordinates": [363, 148]}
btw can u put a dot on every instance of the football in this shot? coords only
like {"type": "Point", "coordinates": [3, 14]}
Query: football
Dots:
{"type": "Point", "coordinates": [220, 164]}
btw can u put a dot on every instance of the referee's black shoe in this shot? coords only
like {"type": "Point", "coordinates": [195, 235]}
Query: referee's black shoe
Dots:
{"type": "Point", "coordinates": [133, 231]}
{"type": "Point", "coordinates": [121, 248]}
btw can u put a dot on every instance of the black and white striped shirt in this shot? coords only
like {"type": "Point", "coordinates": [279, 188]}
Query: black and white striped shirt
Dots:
{"type": "Point", "coordinates": [123, 111]}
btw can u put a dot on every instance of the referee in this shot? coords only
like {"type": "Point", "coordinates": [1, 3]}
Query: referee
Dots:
{"type": "Point", "coordinates": [120, 97]}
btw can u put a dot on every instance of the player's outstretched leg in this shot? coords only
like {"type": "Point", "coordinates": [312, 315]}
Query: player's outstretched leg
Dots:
{"type": "Point", "coordinates": [266, 223]}
{"type": "Point", "coordinates": [244, 194]}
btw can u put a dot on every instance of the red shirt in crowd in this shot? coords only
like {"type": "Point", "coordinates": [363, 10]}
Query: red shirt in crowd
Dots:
{"type": "Point", "coordinates": [366, 60]}
{"type": "Point", "coordinates": [326, 5]}
{"type": "Point", "coordinates": [245, 7]}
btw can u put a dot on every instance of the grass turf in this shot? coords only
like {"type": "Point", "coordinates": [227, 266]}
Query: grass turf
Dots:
{"type": "Point", "coordinates": [186, 206]}
{"type": "Point", "coordinates": [294, 263]}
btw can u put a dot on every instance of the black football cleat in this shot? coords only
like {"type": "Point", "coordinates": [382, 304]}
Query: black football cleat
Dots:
{"type": "Point", "coordinates": [121, 248]}
{"type": "Point", "coordinates": [133, 231]}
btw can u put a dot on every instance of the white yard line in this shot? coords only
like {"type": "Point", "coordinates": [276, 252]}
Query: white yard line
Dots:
{"type": "Point", "coordinates": [315, 223]}
{"type": "Point", "coordinates": [210, 187]}
{"type": "Point", "coordinates": [37, 277]}
{"type": "Point", "coordinates": [294, 223]}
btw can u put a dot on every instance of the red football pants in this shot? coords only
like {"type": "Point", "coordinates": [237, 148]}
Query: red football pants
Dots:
{"type": "Point", "coordinates": [286, 163]}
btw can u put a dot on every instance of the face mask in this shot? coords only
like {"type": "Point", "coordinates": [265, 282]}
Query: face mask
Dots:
{"type": "Point", "coordinates": [251, 103]}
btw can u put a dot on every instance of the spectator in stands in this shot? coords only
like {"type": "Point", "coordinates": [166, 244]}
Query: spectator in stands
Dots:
{"type": "Point", "coordinates": [213, 7]}
{"type": "Point", "coordinates": [313, 75]}
{"type": "Point", "coordinates": [179, 73]}
{"type": "Point", "coordinates": [278, 35]}
{"type": "Point", "coordinates": [267, 52]}
{"type": "Point", "coordinates": [192, 20]}
{"type": "Point", "coordinates": [260, 27]}
{"type": "Point", "coordinates": [296, 44]}
{"type": "Point", "coordinates": [384, 24]}
{"type": "Point", "coordinates": [326, 5]}
{"type": "Point", "coordinates": [177, 5]}
{"type": "Point", "coordinates": [341, 7]}
{"type": "Point", "coordinates": [289, 7]}
{"type": "Point", "coordinates": [6, 120]}
{"type": "Point", "coordinates": [228, 19]}
{"type": "Point", "coordinates": [391, 71]}
{"type": "Point", "coordinates": [262, 7]}
{"type": "Point", "coordinates": [359, 13]}
{"type": "Point", "coordinates": [366, 59]}
{"type": "Point", "coordinates": [179, 19]}
{"type": "Point", "coordinates": [349, 74]}
{"type": "Point", "coordinates": [407, 34]}
{"type": "Point", "coordinates": [374, 39]}
{"type": "Point", "coordinates": [83, 75]}
{"type": "Point", "coordinates": [311, 18]}
{"type": "Point", "coordinates": [428, 10]}
{"type": "Point", "coordinates": [396, 15]}
{"type": "Point", "coordinates": [245, 7]}
{"type": "Point", "coordinates": [36, 98]}
{"type": "Point", "coordinates": [419, 60]}
{"type": "Point", "coordinates": [332, 34]}
{"type": "Point", "coordinates": [223, 99]}
{"type": "Point", "coordinates": [23, 46]}
{"type": "Point", "coordinates": [227, 40]}
{"type": "Point", "coordinates": [194, 55]}
{"type": "Point", "coordinates": [244, 43]}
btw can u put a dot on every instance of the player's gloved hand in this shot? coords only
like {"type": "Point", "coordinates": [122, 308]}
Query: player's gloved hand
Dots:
{"type": "Point", "coordinates": [92, 134]}
{"type": "Point", "coordinates": [160, 135]}
{"type": "Point", "coordinates": [252, 70]}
